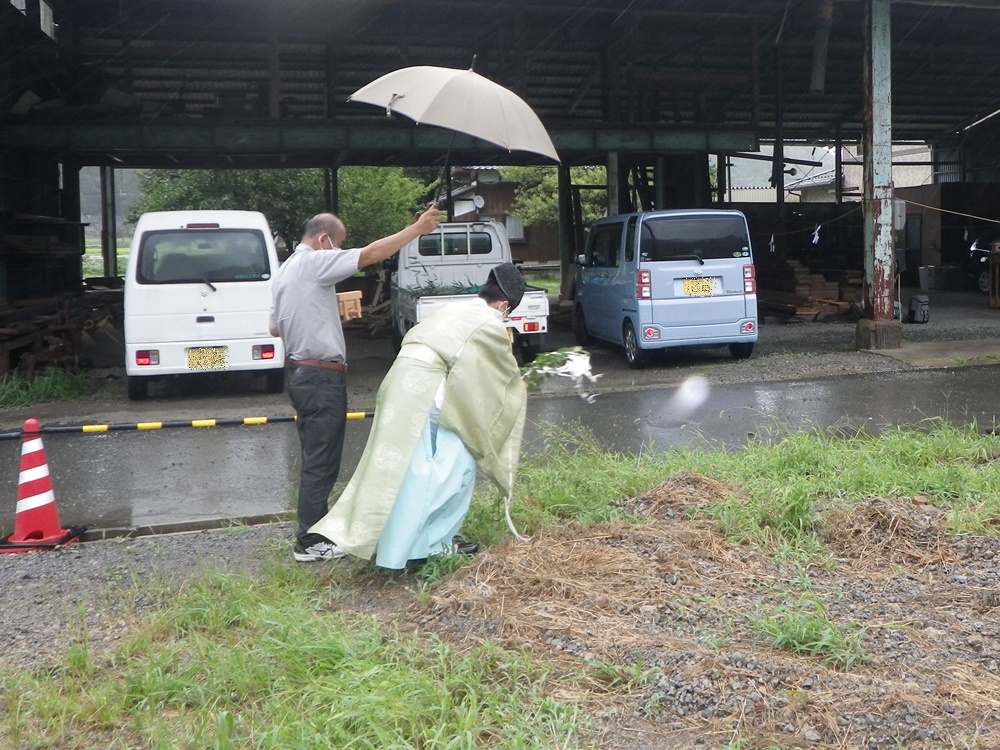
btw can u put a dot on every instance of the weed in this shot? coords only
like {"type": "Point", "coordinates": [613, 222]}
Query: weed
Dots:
{"type": "Point", "coordinates": [52, 384]}
{"type": "Point", "coordinates": [805, 628]}
{"type": "Point", "coordinates": [617, 677]}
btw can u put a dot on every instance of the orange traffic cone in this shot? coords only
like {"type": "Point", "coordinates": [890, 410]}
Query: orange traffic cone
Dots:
{"type": "Point", "coordinates": [36, 523]}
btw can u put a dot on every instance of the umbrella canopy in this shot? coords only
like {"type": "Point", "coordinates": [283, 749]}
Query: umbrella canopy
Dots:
{"type": "Point", "coordinates": [463, 101]}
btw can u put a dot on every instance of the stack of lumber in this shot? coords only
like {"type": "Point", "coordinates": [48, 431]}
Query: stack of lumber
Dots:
{"type": "Point", "coordinates": [802, 293]}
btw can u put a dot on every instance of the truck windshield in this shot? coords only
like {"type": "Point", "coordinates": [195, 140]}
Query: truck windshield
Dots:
{"type": "Point", "coordinates": [186, 256]}
{"type": "Point", "coordinates": [706, 237]}
{"type": "Point", "coordinates": [456, 243]}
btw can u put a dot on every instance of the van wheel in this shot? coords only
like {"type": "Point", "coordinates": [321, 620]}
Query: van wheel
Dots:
{"type": "Point", "coordinates": [635, 357]}
{"type": "Point", "coordinates": [138, 388]}
{"type": "Point", "coordinates": [275, 380]}
{"type": "Point", "coordinates": [580, 332]}
{"type": "Point", "coordinates": [983, 281]}
{"type": "Point", "coordinates": [741, 351]}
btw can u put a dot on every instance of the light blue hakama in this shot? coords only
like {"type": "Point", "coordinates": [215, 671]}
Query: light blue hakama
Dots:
{"type": "Point", "coordinates": [432, 500]}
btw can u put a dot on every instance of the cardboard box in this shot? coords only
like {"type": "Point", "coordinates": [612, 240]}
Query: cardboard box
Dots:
{"type": "Point", "coordinates": [350, 305]}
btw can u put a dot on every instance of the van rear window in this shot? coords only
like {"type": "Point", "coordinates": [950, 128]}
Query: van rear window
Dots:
{"type": "Point", "coordinates": [706, 237]}
{"type": "Point", "coordinates": [454, 243]}
{"type": "Point", "coordinates": [185, 256]}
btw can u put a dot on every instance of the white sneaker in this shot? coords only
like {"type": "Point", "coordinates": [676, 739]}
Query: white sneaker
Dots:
{"type": "Point", "coordinates": [318, 552]}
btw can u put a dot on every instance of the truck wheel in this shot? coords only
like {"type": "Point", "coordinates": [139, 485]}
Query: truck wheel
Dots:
{"type": "Point", "coordinates": [635, 357]}
{"type": "Point", "coordinates": [580, 332]}
{"type": "Point", "coordinates": [530, 347]}
{"type": "Point", "coordinates": [741, 351]}
{"type": "Point", "coordinates": [275, 381]}
{"type": "Point", "coordinates": [138, 388]}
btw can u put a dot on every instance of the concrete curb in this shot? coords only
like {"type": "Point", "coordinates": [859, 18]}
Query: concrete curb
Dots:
{"type": "Point", "coordinates": [183, 527]}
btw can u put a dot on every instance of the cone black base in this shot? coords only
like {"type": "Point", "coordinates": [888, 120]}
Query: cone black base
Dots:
{"type": "Point", "coordinates": [72, 534]}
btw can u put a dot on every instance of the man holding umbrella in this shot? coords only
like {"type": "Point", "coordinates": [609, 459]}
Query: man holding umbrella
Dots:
{"type": "Point", "coordinates": [306, 315]}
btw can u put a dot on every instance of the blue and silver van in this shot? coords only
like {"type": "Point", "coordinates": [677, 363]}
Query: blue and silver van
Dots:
{"type": "Point", "coordinates": [664, 279]}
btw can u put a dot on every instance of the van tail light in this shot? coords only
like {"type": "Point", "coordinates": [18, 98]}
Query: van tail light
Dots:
{"type": "Point", "coordinates": [201, 226]}
{"type": "Point", "coordinates": [643, 287]}
{"type": "Point", "coordinates": [749, 280]}
{"type": "Point", "coordinates": [263, 351]}
{"type": "Point", "coordinates": [146, 357]}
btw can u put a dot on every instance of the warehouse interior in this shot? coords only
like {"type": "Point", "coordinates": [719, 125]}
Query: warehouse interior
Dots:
{"type": "Point", "coordinates": [654, 91]}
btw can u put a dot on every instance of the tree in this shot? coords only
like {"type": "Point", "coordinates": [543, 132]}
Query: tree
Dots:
{"type": "Point", "coordinates": [374, 201]}
{"type": "Point", "coordinates": [377, 201]}
{"type": "Point", "coordinates": [536, 199]}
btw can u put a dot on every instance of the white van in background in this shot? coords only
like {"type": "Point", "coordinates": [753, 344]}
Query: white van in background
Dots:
{"type": "Point", "coordinates": [664, 279]}
{"type": "Point", "coordinates": [198, 297]}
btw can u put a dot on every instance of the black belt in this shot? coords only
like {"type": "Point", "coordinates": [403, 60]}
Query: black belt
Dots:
{"type": "Point", "coordinates": [338, 366]}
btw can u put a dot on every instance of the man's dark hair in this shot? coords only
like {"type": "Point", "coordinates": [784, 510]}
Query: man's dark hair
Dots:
{"type": "Point", "coordinates": [491, 291]}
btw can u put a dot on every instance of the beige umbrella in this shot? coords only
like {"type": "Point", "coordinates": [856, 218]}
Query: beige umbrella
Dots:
{"type": "Point", "coordinates": [461, 101]}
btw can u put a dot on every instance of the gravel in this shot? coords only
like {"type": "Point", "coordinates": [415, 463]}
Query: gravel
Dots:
{"type": "Point", "coordinates": [925, 602]}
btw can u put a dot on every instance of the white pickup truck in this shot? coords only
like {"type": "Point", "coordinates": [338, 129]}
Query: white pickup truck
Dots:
{"type": "Point", "coordinates": [451, 264]}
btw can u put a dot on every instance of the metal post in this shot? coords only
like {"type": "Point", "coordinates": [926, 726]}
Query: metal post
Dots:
{"type": "Point", "coordinates": [614, 184]}
{"type": "Point", "coordinates": [109, 222]}
{"type": "Point", "coordinates": [660, 181]}
{"type": "Point", "coordinates": [720, 178]}
{"type": "Point", "coordinates": [778, 163]}
{"type": "Point", "coordinates": [838, 166]}
{"type": "Point", "coordinates": [878, 330]}
{"type": "Point", "coordinates": [567, 247]}
{"type": "Point", "coordinates": [334, 204]}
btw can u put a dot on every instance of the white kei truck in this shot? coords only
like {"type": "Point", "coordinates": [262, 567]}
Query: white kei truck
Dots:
{"type": "Point", "coordinates": [451, 264]}
{"type": "Point", "coordinates": [198, 298]}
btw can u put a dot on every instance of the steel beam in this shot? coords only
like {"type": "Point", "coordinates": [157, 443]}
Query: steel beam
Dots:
{"type": "Point", "coordinates": [138, 146]}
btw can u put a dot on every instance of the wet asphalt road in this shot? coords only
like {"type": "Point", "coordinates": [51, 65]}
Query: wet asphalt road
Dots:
{"type": "Point", "coordinates": [169, 476]}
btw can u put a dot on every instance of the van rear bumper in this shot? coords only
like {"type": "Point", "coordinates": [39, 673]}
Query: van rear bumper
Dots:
{"type": "Point", "coordinates": [652, 336]}
{"type": "Point", "coordinates": [174, 359]}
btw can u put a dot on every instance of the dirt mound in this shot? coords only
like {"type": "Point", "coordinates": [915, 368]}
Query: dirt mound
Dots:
{"type": "Point", "coordinates": [672, 610]}
{"type": "Point", "coordinates": [891, 531]}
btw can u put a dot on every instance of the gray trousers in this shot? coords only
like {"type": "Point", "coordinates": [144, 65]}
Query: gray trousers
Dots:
{"type": "Point", "coordinates": [320, 400]}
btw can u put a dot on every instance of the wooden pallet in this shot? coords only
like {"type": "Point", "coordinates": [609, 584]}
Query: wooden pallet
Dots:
{"type": "Point", "coordinates": [803, 293]}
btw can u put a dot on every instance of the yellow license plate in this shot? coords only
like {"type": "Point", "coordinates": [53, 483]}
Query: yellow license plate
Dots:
{"type": "Point", "coordinates": [208, 358]}
{"type": "Point", "coordinates": [698, 287]}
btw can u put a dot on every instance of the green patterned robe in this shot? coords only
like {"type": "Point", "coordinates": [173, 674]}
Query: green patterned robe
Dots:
{"type": "Point", "coordinates": [467, 345]}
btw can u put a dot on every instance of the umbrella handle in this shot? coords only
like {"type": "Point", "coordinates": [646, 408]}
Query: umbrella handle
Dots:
{"type": "Point", "coordinates": [446, 181]}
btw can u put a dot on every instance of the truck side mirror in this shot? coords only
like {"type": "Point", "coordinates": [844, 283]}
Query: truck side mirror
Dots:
{"type": "Point", "coordinates": [581, 259]}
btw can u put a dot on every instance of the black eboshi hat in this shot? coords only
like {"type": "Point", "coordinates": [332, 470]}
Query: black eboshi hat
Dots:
{"type": "Point", "coordinates": [510, 281]}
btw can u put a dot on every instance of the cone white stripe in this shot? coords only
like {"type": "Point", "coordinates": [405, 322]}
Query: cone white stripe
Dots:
{"type": "Point", "coordinates": [31, 446]}
{"type": "Point", "coordinates": [30, 475]}
{"type": "Point", "coordinates": [35, 501]}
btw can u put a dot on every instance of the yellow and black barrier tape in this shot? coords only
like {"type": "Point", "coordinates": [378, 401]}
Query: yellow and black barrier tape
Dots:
{"type": "Point", "coordinates": [99, 429]}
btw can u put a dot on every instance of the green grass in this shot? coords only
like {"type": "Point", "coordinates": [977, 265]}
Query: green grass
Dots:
{"type": "Point", "coordinates": [275, 662]}
{"type": "Point", "coordinates": [51, 384]}
{"type": "Point", "coordinates": [803, 627]}
{"type": "Point", "coordinates": [93, 264]}
{"type": "Point", "coordinates": [786, 482]}
{"type": "Point", "coordinates": [235, 662]}
{"type": "Point", "coordinates": [550, 285]}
